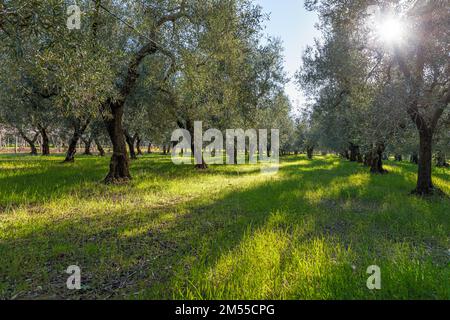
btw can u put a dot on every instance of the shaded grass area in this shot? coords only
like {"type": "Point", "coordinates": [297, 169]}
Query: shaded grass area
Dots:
{"type": "Point", "coordinates": [229, 232]}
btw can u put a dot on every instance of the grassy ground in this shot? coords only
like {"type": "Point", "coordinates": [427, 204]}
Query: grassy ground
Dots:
{"type": "Point", "coordinates": [309, 232]}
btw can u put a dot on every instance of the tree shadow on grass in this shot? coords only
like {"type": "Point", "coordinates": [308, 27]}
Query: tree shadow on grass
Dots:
{"type": "Point", "coordinates": [36, 181]}
{"type": "Point", "coordinates": [311, 214]}
{"type": "Point", "coordinates": [66, 235]}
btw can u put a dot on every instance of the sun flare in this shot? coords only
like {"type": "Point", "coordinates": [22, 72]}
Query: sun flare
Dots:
{"type": "Point", "coordinates": [391, 30]}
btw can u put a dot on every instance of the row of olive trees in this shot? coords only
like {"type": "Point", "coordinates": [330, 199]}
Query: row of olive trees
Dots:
{"type": "Point", "coordinates": [371, 95]}
{"type": "Point", "coordinates": [136, 71]}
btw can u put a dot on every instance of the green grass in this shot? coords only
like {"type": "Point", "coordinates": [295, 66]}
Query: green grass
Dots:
{"type": "Point", "coordinates": [230, 232]}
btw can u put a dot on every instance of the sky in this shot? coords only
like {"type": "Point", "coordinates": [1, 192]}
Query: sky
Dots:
{"type": "Point", "coordinates": [295, 26]}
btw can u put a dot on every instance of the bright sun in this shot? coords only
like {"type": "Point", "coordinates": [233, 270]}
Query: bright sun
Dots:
{"type": "Point", "coordinates": [391, 30]}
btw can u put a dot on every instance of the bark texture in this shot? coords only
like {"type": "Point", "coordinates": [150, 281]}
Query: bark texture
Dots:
{"type": "Point", "coordinates": [119, 168]}
{"type": "Point", "coordinates": [45, 141]}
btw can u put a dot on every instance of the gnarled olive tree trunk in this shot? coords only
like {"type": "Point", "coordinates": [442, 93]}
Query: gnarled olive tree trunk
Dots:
{"type": "Point", "coordinates": [119, 168]}
{"type": "Point", "coordinates": [31, 142]}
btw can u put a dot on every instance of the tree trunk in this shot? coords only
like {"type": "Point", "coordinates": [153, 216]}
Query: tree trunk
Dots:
{"type": "Point", "coordinates": [355, 154]}
{"type": "Point", "coordinates": [359, 158]}
{"type": "Point", "coordinates": [138, 145]}
{"type": "Point", "coordinates": [45, 141]}
{"type": "Point", "coordinates": [235, 152]}
{"type": "Point", "coordinates": [72, 150]}
{"type": "Point", "coordinates": [441, 160]}
{"type": "Point", "coordinates": [424, 181]}
{"type": "Point", "coordinates": [119, 168]}
{"type": "Point", "coordinates": [34, 151]}
{"type": "Point", "coordinates": [100, 149]}
{"type": "Point", "coordinates": [77, 133]}
{"type": "Point", "coordinates": [130, 142]}
{"type": "Point", "coordinates": [203, 165]}
{"type": "Point", "coordinates": [346, 155]}
{"type": "Point", "coordinates": [87, 146]}
{"type": "Point", "coordinates": [414, 158]}
{"type": "Point", "coordinates": [310, 152]}
{"type": "Point", "coordinates": [149, 149]}
{"type": "Point", "coordinates": [31, 142]}
{"type": "Point", "coordinates": [398, 157]}
{"type": "Point", "coordinates": [367, 159]}
{"type": "Point", "coordinates": [376, 163]}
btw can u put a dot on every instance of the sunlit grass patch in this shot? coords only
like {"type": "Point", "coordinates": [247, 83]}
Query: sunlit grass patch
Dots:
{"type": "Point", "coordinates": [308, 232]}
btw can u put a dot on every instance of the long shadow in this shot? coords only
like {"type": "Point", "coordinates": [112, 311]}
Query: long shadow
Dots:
{"type": "Point", "coordinates": [134, 251]}
{"type": "Point", "coordinates": [221, 224]}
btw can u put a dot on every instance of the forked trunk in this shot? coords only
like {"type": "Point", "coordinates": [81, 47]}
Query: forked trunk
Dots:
{"type": "Point", "coordinates": [31, 142]}
{"type": "Point", "coordinates": [119, 168]}
{"type": "Point", "coordinates": [424, 181]}
{"type": "Point", "coordinates": [87, 146]}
